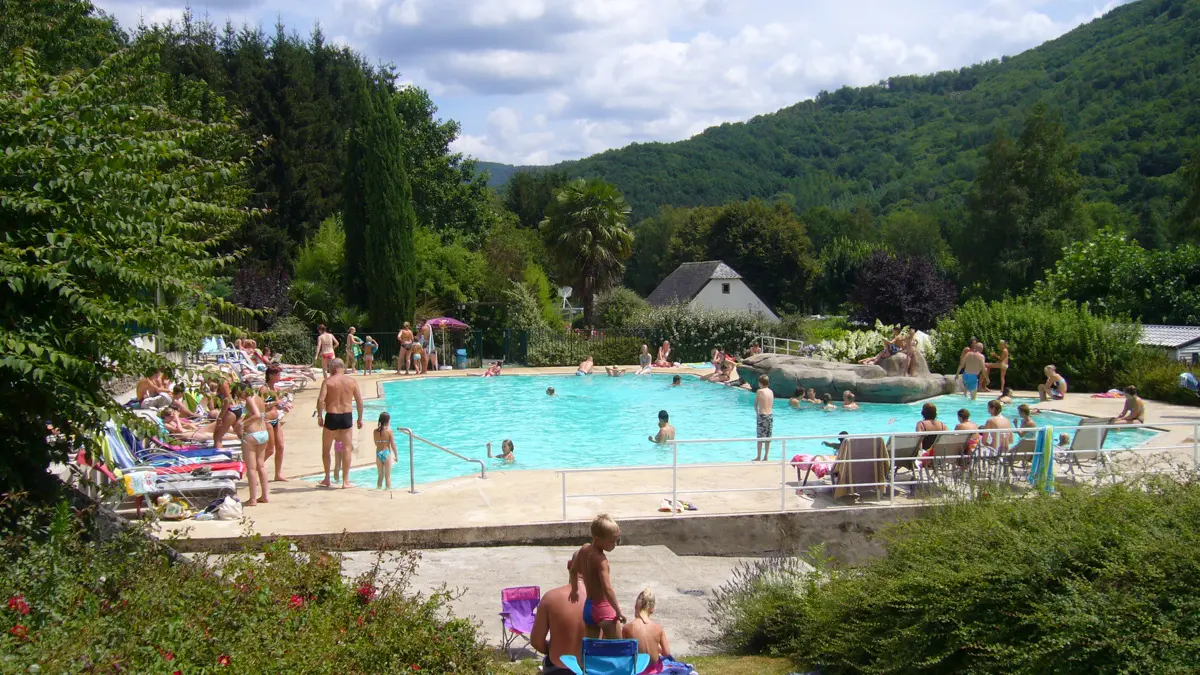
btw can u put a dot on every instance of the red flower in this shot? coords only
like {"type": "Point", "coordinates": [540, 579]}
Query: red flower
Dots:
{"type": "Point", "coordinates": [169, 656]}
{"type": "Point", "coordinates": [18, 631]}
{"type": "Point", "coordinates": [414, 666]}
{"type": "Point", "coordinates": [223, 660]}
{"type": "Point", "coordinates": [17, 603]}
{"type": "Point", "coordinates": [360, 621]}
{"type": "Point", "coordinates": [178, 672]}
{"type": "Point", "coordinates": [366, 593]}
{"type": "Point", "coordinates": [296, 601]}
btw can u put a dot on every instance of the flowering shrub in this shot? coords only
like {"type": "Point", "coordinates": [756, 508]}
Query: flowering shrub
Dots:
{"type": "Point", "coordinates": [76, 604]}
{"type": "Point", "coordinates": [860, 344]}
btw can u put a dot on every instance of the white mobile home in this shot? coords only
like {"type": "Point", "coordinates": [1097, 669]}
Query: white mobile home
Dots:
{"type": "Point", "coordinates": [709, 285]}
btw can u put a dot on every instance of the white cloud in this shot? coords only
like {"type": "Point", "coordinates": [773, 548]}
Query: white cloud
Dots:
{"type": "Point", "coordinates": [544, 80]}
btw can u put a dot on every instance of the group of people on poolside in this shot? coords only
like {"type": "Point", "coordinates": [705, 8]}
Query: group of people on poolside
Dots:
{"type": "Point", "coordinates": [417, 352]}
{"type": "Point", "coordinates": [567, 614]}
{"type": "Point", "coordinates": [973, 368]}
{"type": "Point", "coordinates": [221, 406]}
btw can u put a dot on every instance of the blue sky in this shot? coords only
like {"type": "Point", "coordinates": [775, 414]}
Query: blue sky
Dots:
{"type": "Point", "coordinates": [539, 81]}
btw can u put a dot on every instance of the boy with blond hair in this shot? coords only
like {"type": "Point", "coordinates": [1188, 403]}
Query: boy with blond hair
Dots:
{"type": "Point", "coordinates": [601, 611]}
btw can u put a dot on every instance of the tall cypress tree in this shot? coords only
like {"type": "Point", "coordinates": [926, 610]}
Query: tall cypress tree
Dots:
{"type": "Point", "coordinates": [389, 252]}
{"type": "Point", "coordinates": [354, 211]}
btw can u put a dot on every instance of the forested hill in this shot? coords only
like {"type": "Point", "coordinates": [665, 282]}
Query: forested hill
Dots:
{"type": "Point", "coordinates": [1126, 85]}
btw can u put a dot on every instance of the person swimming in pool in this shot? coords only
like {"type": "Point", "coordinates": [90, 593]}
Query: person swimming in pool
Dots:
{"type": "Point", "coordinates": [549, 391]}
{"type": "Point", "coordinates": [676, 381]}
{"type": "Point", "coordinates": [666, 432]}
{"type": "Point", "coordinates": [506, 451]}
{"type": "Point", "coordinates": [585, 366]}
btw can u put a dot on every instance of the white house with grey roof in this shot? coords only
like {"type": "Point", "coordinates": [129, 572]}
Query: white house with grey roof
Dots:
{"type": "Point", "coordinates": [709, 285]}
{"type": "Point", "coordinates": [1182, 343]}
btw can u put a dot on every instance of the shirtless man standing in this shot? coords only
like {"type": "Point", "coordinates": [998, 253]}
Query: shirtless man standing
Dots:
{"type": "Point", "coordinates": [972, 366]}
{"type": "Point", "coordinates": [764, 407]}
{"type": "Point", "coordinates": [560, 618]}
{"type": "Point", "coordinates": [326, 349]}
{"type": "Point", "coordinates": [335, 404]}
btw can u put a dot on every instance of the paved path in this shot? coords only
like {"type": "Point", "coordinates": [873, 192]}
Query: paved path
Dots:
{"type": "Point", "coordinates": [682, 585]}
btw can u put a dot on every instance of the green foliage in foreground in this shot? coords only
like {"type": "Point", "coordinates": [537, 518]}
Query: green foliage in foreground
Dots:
{"type": "Point", "coordinates": [1090, 581]}
{"type": "Point", "coordinates": [113, 204]}
{"type": "Point", "coordinates": [1087, 349]}
{"type": "Point", "coordinates": [123, 606]}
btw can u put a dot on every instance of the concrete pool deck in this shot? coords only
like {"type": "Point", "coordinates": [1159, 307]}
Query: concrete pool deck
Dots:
{"type": "Point", "coordinates": [532, 497]}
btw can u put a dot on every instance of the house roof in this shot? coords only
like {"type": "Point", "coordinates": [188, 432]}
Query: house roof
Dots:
{"type": "Point", "coordinates": [1169, 336]}
{"type": "Point", "coordinates": [688, 280]}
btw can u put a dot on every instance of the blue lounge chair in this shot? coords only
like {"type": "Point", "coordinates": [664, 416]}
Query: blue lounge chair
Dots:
{"type": "Point", "coordinates": [609, 657]}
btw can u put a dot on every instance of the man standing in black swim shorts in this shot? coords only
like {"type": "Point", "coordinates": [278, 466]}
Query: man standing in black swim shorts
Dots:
{"type": "Point", "coordinates": [335, 404]}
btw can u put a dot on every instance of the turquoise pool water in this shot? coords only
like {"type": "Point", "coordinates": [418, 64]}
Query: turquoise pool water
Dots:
{"type": "Point", "coordinates": [604, 421]}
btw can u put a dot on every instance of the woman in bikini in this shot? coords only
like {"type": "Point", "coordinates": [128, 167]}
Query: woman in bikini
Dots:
{"type": "Point", "coordinates": [255, 441]}
{"type": "Point", "coordinates": [277, 407]}
{"type": "Point", "coordinates": [929, 422]}
{"type": "Point", "coordinates": [664, 355]}
{"type": "Point", "coordinates": [405, 337]}
{"type": "Point", "coordinates": [385, 451]}
{"type": "Point", "coordinates": [230, 413]}
{"type": "Point", "coordinates": [326, 348]}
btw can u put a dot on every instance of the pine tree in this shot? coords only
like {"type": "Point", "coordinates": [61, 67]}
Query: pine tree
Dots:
{"type": "Point", "coordinates": [354, 212]}
{"type": "Point", "coordinates": [389, 236]}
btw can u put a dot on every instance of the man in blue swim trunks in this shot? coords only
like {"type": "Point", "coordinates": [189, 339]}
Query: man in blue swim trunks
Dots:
{"type": "Point", "coordinates": [973, 366]}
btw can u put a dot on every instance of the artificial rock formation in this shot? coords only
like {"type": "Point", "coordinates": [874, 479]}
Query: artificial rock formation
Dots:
{"type": "Point", "coordinates": [882, 383]}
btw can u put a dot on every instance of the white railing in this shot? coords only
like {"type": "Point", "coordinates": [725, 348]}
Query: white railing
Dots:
{"type": "Point", "coordinates": [412, 465]}
{"type": "Point", "coordinates": [776, 345]}
{"type": "Point", "coordinates": [1004, 463]}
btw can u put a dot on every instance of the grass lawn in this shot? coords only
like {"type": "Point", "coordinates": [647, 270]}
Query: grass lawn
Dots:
{"type": "Point", "coordinates": [705, 665]}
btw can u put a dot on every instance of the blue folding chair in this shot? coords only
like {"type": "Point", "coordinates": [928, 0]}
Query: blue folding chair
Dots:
{"type": "Point", "coordinates": [609, 657]}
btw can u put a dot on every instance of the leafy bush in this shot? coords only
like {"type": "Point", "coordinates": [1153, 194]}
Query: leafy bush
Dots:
{"type": "Point", "coordinates": [812, 331]}
{"type": "Point", "coordinates": [1156, 375]}
{"type": "Point", "coordinates": [694, 333]}
{"type": "Point", "coordinates": [1089, 581]}
{"type": "Point", "coordinates": [1087, 349]}
{"type": "Point", "coordinates": [755, 611]}
{"type": "Point", "coordinates": [293, 340]}
{"type": "Point", "coordinates": [76, 604]}
{"type": "Point", "coordinates": [619, 307]}
{"type": "Point", "coordinates": [905, 291]}
{"type": "Point", "coordinates": [617, 351]}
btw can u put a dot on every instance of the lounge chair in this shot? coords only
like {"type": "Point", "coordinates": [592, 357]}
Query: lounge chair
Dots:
{"type": "Point", "coordinates": [517, 608]}
{"type": "Point", "coordinates": [608, 657]}
{"type": "Point", "coordinates": [1088, 444]}
{"type": "Point", "coordinates": [118, 454]}
{"type": "Point", "coordinates": [857, 477]}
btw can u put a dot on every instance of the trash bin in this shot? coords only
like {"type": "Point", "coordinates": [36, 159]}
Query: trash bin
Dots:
{"type": "Point", "coordinates": [460, 359]}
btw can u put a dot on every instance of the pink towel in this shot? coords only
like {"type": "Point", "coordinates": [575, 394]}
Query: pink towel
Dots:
{"type": "Point", "coordinates": [804, 462]}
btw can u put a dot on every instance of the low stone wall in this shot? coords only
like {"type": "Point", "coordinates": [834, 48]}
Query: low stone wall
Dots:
{"type": "Point", "coordinates": [847, 533]}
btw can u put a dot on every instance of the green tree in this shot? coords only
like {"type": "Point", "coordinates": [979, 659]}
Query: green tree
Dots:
{"type": "Point", "coordinates": [585, 231]}
{"type": "Point", "coordinates": [1188, 219]}
{"type": "Point", "coordinates": [769, 247]}
{"type": "Point", "coordinates": [317, 285]}
{"type": "Point", "coordinates": [1024, 208]}
{"type": "Point", "coordinates": [354, 212]}
{"type": "Point", "coordinates": [66, 34]}
{"type": "Point", "coordinates": [112, 206]}
{"type": "Point", "coordinates": [390, 261]}
{"type": "Point", "coordinates": [910, 233]}
{"type": "Point", "coordinates": [838, 267]}
{"type": "Point", "coordinates": [528, 194]}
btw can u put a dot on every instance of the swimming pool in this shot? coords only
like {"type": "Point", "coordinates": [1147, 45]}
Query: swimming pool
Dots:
{"type": "Point", "coordinates": [601, 421]}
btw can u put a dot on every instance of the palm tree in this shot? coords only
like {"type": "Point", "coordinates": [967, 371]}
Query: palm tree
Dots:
{"type": "Point", "coordinates": [585, 231]}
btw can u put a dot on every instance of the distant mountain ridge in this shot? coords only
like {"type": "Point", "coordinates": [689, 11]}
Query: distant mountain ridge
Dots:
{"type": "Point", "coordinates": [1127, 86]}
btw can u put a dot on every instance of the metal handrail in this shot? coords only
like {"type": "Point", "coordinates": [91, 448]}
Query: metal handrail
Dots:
{"type": "Point", "coordinates": [891, 482]}
{"type": "Point", "coordinates": [412, 465]}
{"type": "Point", "coordinates": [788, 347]}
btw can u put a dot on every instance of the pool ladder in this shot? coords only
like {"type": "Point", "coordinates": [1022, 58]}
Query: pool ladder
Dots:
{"type": "Point", "coordinates": [412, 465]}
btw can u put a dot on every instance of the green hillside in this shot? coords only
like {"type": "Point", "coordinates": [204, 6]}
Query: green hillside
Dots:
{"type": "Point", "coordinates": [498, 174]}
{"type": "Point", "coordinates": [1127, 86]}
